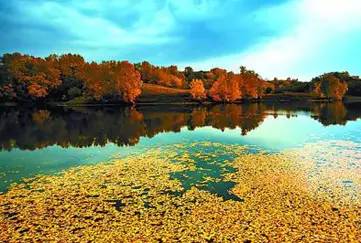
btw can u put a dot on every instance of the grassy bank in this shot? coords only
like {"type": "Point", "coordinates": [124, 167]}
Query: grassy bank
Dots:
{"type": "Point", "coordinates": [153, 94]}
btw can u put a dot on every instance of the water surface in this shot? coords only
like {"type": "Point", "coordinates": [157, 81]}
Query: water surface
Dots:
{"type": "Point", "coordinates": [49, 140]}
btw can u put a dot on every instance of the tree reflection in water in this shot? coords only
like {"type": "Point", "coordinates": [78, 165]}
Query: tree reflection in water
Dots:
{"type": "Point", "coordinates": [86, 126]}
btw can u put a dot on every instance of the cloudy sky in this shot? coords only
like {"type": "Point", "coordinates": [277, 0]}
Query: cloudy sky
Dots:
{"type": "Point", "coordinates": [297, 38]}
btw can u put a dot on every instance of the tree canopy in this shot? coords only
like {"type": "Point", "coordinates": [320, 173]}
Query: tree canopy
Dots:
{"type": "Point", "coordinates": [330, 86]}
{"type": "Point", "coordinates": [68, 77]}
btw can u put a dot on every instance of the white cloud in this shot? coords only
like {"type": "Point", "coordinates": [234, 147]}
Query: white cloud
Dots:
{"type": "Point", "coordinates": [321, 28]}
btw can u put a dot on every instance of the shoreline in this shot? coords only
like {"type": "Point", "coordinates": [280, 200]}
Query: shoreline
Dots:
{"type": "Point", "coordinates": [267, 99]}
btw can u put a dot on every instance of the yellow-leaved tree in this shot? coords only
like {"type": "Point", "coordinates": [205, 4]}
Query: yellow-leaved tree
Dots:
{"type": "Point", "coordinates": [197, 91]}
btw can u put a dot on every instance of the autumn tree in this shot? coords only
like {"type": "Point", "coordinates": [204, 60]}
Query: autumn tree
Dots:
{"type": "Point", "coordinates": [147, 72]}
{"type": "Point", "coordinates": [35, 76]}
{"type": "Point", "coordinates": [113, 81]}
{"type": "Point", "coordinates": [25, 78]}
{"type": "Point", "coordinates": [226, 88]}
{"type": "Point", "coordinates": [230, 87]}
{"type": "Point", "coordinates": [190, 74]}
{"type": "Point", "coordinates": [329, 86]}
{"type": "Point", "coordinates": [71, 67]}
{"type": "Point", "coordinates": [127, 82]}
{"type": "Point", "coordinates": [353, 82]}
{"type": "Point", "coordinates": [7, 91]}
{"type": "Point", "coordinates": [211, 76]}
{"type": "Point", "coordinates": [93, 81]}
{"type": "Point", "coordinates": [165, 76]}
{"type": "Point", "coordinates": [197, 90]}
{"type": "Point", "coordinates": [251, 84]}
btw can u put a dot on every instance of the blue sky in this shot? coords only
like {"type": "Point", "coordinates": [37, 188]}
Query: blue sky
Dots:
{"type": "Point", "coordinates": [297, 38]}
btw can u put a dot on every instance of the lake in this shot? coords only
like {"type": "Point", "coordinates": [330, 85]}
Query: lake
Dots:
{"type": "Point", "coordinates": [47, 141]}
{"type": "Point", "coordinates": [38, 141]}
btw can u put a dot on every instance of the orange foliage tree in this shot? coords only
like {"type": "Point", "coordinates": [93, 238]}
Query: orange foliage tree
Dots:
{"type": "Point", "coordinates": [113, 79]}
{"type": "Point", "coordinates": [71, 68]}
{"type": "Point", "coordinates": [251, 84]}
{"type": "Point", "coordinates": [330, 87]}
{"type": "Point", "coordinates": [93, 80]}
{"type": "Point", "coordinates": [197, 91]}
{"type": "Point", "coordinates": [37, 75]}
{"type": "Point", "coordinates": [127, 82]}
{"type": "Point", "coordinates": [71, 65]}
{"type": "Point", "coordinates": [66, 77]}
{"type": "Point", "coordinates": [165, 76]}
{"type": "Point", "coordinates": [230, 87]}
{"type": "Point", "coordinates": [226, 88]}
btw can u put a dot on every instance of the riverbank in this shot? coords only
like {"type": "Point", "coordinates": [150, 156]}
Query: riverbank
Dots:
{"type": "Point", "coordinates": [179, 100]}
{"type": "Point", "coordinates": [139, 199]}
{"type": "Point", "coordinates": [153, 94]}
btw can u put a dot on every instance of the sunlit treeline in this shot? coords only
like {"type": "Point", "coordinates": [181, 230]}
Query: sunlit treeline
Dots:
{"type": "Point", "coordinates": [69, 77]}
{"type": "Point", "coordinates": [79, 127]}
{"type": "Point", "coordinates": [61, 78]}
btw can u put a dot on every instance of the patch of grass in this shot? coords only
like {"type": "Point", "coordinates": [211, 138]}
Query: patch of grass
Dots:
{"type": "Point", "coordinates": [153, 93]}
{"type": "Point", "coordinates": [154, 89]}
{"type": "Point", "coordinates": [81, 100]}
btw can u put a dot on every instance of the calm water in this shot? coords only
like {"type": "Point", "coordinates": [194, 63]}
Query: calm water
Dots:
{"type": "Point", "coordinates": [44, 141]}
